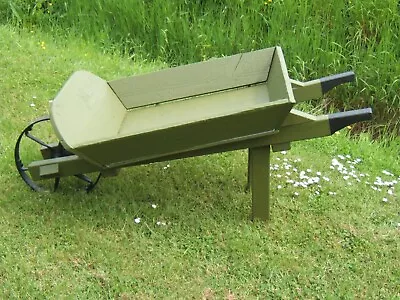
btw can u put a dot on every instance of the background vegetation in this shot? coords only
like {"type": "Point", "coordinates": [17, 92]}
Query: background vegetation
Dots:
{"type": "Point", "coordinates": [318, 37]}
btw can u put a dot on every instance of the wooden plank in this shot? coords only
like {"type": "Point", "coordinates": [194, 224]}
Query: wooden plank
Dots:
{"type": "Point", "coordinates": [192, 136]}
{"type": "Point", "coordinates": [60, 167]}
{"type": "Point", "coordinates": [195, 109]}
{"type": "Point", "coordinates": [279, 84]}
{"type": "Point", "coordinates": [194, 79]}
{"type": "Point", "coordinates": [86, 110]}
{"type": "Point", "coordinates": [259, 173]}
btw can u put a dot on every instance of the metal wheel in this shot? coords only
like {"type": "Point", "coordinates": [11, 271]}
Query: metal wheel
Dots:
{"type": "Point", "coordinates": [37, 142]}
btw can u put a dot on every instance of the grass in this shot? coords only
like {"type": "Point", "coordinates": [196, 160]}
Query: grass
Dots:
{"type": "Point", "coordinates": [71, 244]}
{"type": "Point", "coordinates": [319, 38]}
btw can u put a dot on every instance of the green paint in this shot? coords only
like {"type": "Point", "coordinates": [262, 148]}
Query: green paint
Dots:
{"type": "Point", "coordinates": [259, 178]}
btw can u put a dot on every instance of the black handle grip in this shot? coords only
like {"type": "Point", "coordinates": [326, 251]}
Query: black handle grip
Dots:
{"type": "Point", "coordinates": [329, 82]}
{"type": "Point", "coordinates": [340, 120]}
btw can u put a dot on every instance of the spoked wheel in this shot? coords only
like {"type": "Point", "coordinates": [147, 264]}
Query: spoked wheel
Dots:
{"type": "Point", "coordinates": [39, 142]}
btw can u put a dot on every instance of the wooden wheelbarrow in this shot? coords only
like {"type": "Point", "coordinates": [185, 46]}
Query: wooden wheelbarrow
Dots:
{"type": "Point", "coordinates": [236, 102]}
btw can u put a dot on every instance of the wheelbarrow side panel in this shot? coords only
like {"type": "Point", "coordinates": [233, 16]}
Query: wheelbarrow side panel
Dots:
{"type": "Point", "coordinates": [189, 137]}
{"type": "Point", "coordinates": [194, 79]}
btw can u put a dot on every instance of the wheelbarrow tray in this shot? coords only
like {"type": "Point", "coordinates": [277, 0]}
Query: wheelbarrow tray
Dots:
{"type": "Point", "coordinates": [188, 108]}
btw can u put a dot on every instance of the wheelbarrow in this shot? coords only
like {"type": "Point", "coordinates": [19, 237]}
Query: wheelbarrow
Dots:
{"type": "Point", "coordinates": [244, 101]}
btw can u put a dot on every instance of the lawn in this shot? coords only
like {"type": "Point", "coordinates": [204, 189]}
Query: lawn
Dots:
{"type": "Point", "coordinates": [181, 229]}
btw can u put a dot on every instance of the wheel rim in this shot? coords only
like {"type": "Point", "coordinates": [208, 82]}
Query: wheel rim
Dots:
{"type": "Point", "coordinates": [54, 150]}
{"type": "Point", "coordinates": [22, 169]}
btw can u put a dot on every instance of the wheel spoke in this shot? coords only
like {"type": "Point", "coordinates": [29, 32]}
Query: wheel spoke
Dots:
{"type": "Point", "coordinates": [84, 178]}
{"type": "Point", "coordinates": [37, 140]}
{"type": "Point", "coordinates": [92, 185]}
{"type": "Point", "coordinates": [56, 183]}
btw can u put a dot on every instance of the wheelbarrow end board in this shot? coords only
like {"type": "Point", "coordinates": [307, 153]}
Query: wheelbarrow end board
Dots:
{"type": "Point", "coordinates": [278, 81]}
{"type": "Point", "coordinates": [85, 109]}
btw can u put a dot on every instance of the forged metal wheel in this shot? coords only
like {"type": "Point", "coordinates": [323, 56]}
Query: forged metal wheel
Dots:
{"type": "Point", "coordinates": [37, 142]}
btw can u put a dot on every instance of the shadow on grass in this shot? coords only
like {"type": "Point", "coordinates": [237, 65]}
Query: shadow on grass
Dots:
{"type": "Point", "coordinates": [190, 191]}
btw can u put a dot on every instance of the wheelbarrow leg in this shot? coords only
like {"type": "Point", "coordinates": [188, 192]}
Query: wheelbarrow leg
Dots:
{"type": "Point", "coordinates": [248, 184]}
{"type": "Point", "coordinates": [258, 181]}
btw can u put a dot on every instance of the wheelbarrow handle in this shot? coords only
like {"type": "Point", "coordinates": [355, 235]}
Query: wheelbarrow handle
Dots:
{"type": "Point", "coordinates": [313, 89]}
{"type": "Point", "coordinates": [329, 82]}
{"type": "Point", "coordinates": [340, 120]}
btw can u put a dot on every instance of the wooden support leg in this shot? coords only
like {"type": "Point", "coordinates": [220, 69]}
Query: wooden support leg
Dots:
{"type": "Point", "coordinates": [259, 172]}
{"type": "Point", "coordinates": [248, 184]}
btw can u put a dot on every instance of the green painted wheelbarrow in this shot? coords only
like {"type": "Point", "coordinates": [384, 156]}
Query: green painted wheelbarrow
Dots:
{"type": "Point", "coordinates": [243, 101]}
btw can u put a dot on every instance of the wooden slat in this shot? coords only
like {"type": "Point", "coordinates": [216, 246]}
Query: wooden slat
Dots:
{"type": "Point", "coordinates": [195, 79]}
{"type": "Point", "coordinates": [192, 110]}
{"type": "Point", "coordinates": [259, 167]}
{"type": "Point", "coordinates": [192, 136]}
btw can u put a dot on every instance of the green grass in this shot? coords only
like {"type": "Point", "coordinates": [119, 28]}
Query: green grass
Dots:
{"type": "Point", "coordinates": [319, 38]}
{"type": "Point", "coordinates": [71, 244]}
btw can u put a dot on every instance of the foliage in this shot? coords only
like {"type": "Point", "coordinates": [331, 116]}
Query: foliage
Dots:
{"type": "Point", "coordinates": [319, 38]}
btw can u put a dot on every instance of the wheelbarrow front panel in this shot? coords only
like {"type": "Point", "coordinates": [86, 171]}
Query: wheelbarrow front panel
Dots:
{"type": "Point", "coordinates": [85, 109]}
{"type": "Point", "coordinates": [193, 136]}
